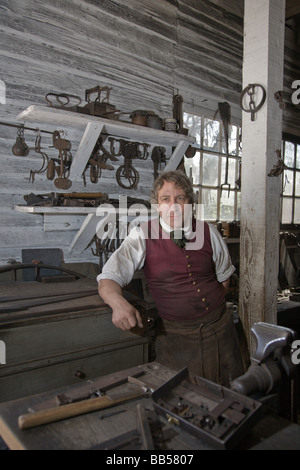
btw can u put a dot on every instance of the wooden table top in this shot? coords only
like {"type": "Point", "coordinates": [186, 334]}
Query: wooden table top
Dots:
{"type": "Point", "coordinates": [91, 430]}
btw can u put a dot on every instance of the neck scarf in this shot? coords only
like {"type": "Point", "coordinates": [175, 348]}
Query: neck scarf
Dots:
{"type": "Point", "coordinates": [178, 237]}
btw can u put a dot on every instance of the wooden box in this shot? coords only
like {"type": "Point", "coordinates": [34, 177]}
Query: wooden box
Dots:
{"type": "Point", "coordinates": [217, 415]}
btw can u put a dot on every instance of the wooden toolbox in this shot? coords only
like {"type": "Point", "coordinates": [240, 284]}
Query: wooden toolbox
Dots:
{"type": "Point", "coordinates": [214, 414]}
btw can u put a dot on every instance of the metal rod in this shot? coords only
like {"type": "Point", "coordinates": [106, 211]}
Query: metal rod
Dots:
{"type": "Point", "coordinates": [24, 127]}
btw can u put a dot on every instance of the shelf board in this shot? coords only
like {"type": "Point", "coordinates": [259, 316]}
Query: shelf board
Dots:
{"type": "Point", "coordinates": [94, 126]}
{"type": "Point", "coordinates": [57, 117]}
{"type": "Point", "coordinates": [55, 210]}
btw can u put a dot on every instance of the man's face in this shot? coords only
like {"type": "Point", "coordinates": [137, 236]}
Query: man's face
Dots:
{"type": "Point", "coordinates": [171, 202]}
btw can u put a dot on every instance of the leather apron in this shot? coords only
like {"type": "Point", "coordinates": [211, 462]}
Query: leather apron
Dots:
{"type": "Point", "coordinates": [208, 346]}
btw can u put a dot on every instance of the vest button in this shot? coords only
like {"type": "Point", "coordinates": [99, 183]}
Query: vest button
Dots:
{"type": "Point", "coordinates": [206, 308]}
{"type": "Point", "coordinates": [189, 265]}
{"type": "Point", "coordinates": [194, 283]}
{"type": "Point", "coordinates": [198, 290]}
{"type": "Point", "coordinates": [190, 274]}
{"type": "Point", "coordinates": [187, 256]}
{"type": "Point", "coordinates": [203, 299]}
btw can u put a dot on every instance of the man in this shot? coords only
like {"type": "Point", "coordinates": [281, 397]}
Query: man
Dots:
{"type": "Point", "coordinates": [188, 275]}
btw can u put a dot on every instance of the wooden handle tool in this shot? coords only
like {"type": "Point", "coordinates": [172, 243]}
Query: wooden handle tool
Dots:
{"type": "Point", "coordinates": [50, 415]}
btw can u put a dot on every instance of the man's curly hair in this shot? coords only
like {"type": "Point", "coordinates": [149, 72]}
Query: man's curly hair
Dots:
{"type": "Point", "coordinates": [177, 177]}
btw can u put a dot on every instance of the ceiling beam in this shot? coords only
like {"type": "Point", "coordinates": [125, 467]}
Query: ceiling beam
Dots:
{"type": "Point", "coordinates": [292, 8]}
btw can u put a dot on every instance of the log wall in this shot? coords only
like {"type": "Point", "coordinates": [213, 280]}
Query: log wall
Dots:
{"type": "Point", "coordinates": [147, 52]}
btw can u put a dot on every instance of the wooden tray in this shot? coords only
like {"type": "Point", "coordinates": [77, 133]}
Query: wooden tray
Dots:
{"type": "Point", "coordinates": [215, 414]}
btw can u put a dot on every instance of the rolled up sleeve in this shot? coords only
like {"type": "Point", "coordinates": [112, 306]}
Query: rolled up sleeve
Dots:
{"type": "Point", "coordinates": [221, 257]}
{"type": "Point", "coordinates": [126, 260]}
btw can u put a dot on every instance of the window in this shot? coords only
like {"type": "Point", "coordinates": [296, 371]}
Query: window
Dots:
{"type": "Point", "coordinates": [290, 207]}
{"type": "Point", "coordinates": [209, 167]}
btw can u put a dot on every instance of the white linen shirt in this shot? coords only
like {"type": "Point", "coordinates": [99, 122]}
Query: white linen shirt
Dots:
{"type": "Point", "coordinates": [130, 257]}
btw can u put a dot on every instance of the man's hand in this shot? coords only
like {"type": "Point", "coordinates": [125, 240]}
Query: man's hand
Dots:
{"type": "Point", "coordinates": [125, 316]}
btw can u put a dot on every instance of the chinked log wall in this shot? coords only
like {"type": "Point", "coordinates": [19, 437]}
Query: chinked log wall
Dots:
{"type": "Point", "coordinates": [145, 51]}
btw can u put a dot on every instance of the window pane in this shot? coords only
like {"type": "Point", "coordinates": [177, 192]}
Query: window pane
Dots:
{"type": "Point", "coordinates": [210, 170]}
{"type": "Point", "coordinates": [231, 172]}
{"type": "Point", "coordinates": [211, 134]}
{"type": "Point", "coordinates": [298, 157]}
{"type": "Point", "coordinates": [287, 205]}
{"type": "Point", "coordinates": [297, 185]}
{"type": "Point", "coordinates": [288, 180]}
{"type": "Point", "coordinates": [193, 124]}
{"type": "Point", "coordinates": [227, 206]}
{"type": "Point", "coordinates": [297, 211]}
{"type": "Point", "coordinates": [232, 140]}
{"type": "Point", "coordinates": [289, 154]}
{"type": "Point", "coordinates": [193, 165]}
{"type": "Point", "coordinates": [209, 200]}
{"type": "Point", "coordinates": [238, 212]}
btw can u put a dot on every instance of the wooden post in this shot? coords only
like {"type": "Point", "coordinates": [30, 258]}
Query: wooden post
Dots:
{"type": "Point", "coordinates": [264, 23]}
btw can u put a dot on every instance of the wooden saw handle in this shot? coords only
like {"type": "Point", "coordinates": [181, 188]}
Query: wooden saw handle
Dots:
{"type": "Point", "coordinates": [50, 415]}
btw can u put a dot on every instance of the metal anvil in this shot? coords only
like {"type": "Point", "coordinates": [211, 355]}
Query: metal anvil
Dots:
{"type": "Point", "coordinates": [270, 361]}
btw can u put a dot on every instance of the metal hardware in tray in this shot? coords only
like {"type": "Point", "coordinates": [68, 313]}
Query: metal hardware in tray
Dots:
{"type": "Point", "coordinates": [215, 414]}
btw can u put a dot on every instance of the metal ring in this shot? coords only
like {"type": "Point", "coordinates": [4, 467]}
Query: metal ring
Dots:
{"type": "Point", "coordinates": [257, 107]}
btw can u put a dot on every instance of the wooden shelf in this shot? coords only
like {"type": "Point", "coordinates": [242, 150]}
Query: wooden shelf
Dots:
{"type": "Point", "coordinates": [88, 227]}
{"type": "Point", "coordinates": [55, 210]}
{"type": "Point", "coordinates": [94, 126]}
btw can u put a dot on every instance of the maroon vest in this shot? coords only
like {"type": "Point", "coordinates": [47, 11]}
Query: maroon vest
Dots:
{"type": "Point", "coordinates": [182, 282]}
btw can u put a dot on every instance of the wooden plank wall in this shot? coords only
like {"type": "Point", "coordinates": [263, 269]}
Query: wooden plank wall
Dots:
{"type": "Point", "coordinates": [145, 51]}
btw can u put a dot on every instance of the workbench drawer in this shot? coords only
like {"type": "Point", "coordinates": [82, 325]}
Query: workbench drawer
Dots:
{"type": "Point", "coordinates": [59, 335]}
{"type": "Point", "coordinates": [40, 376]}
{"type": "Point", "coordinates": [48, 336]}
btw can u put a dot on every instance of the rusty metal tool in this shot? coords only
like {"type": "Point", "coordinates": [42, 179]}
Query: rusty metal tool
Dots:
{"type": "Point", "coordinates": [64, 147]}
{"type": "Point", "coordinates": [112, 413]}
{"type": "Point", "coordinates": [45, 162]}
{"type": "Point", "coordinates": [253, 107]}
{"type": "Point", "coordinates": [224, 109]}
{"type": "Point", "coordinates": [30, 420]}
{"type": "Point", "coordinates": [87, 389]}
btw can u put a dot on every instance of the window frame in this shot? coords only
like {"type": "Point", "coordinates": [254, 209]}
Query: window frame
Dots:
{"type": "Point", "coordinates": [234, 157]}
{"type": "Point", "coordinates": [292, 197]}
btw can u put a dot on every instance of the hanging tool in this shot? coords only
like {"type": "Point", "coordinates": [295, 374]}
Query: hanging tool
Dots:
{"type": "Point", "coordinates": [158, 157]}
{"type": "Point", "coordinates": [280, 166]}
{"type": "Point", "coordinates": [45, 158]}
{"type": "Point", "coordinates": [250, 91]}
{"type": "Point", "coordinates": [224, 110]}
{"type": "Point", "coordinates": [127, 176]}
{"type": "Point", "coordinates": [20, 148]}
{"type": "Point", "coordinates": [178, 114]}
{"type": "Point", "coordinates": [98, 161]}
{"type": "Point", "coordinates": [64, 147]}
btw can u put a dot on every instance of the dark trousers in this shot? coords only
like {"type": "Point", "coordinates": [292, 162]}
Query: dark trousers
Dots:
{"type": "Point", "coordinates": [208, 346]}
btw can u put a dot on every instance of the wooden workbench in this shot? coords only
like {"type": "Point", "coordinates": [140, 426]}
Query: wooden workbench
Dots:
{"type": "Point", "coordinates": [91, 430]}
{"type": "Point", "coordinates": [60, 333]}
{"type": "Point", "coordinates": [86, 431]}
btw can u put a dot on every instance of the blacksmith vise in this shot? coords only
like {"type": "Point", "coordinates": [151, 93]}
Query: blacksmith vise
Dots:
{"type": "Point", "coordinates": [270, 362]}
